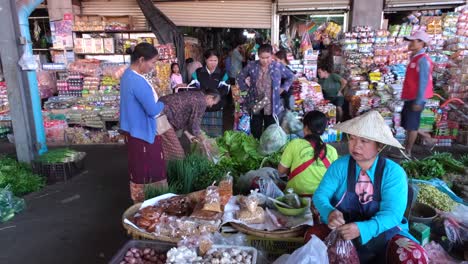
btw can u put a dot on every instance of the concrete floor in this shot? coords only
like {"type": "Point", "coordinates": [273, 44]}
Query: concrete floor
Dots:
{"type": "Point", "coordinates": [79, 221]}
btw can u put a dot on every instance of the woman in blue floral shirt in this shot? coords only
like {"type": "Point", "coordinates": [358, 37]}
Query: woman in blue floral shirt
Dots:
{"type": "Point", "coordinates": [262, 80]}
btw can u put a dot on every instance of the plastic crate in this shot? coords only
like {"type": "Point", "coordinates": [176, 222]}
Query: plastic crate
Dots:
{"type": "Point", "coordinates": [59, 171]}
{"type": "Point", "coordinates": [160, 247]}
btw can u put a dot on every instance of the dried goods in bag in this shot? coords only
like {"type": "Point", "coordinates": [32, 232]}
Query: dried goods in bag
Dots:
{"type": "Point", "coordinates": [340, 251]}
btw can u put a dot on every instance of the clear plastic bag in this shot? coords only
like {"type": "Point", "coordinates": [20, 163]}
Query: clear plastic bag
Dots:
{"type": "Point", "coordinates": [212, 199]}
{"type": "Point", "coordinates": [272, 139]}
{"type": "Point", "coordinates": [9, 204]}
{"type": "Point", "coordinates": [291, 124]}
{"type": "Point", "coordinates": [314, 252]}
{"type": "Point", "coordinates": [456, 224]}
{"type": "Point", "coordinates": [209, 149]}
{"type": "Point", "coordinates": [438, 255]}
{"type": "Point", "coordinates": [266, 180]}
{"type": "Point", "coordinates": [340, 251]}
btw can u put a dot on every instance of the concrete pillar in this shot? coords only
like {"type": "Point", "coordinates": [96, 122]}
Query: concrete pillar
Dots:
{"type": "Point", "coordinates": [366, 13]}
{"type": "Point", "coordinates": [275, 25]}
{"type": "Point", "coordinates": [19, 94]}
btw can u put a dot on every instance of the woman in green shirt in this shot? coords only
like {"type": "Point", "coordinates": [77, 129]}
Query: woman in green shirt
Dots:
{"type": "Point", "coordinates": [333, 89]}
{"type": "Point", "coordinates": [305, 161]}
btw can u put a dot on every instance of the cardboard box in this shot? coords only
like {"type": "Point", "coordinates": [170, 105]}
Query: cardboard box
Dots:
{"type": "Point", "coordinates": [78, 43]}
{"type": "Point", "coordinates": [109, 46]}
{"type": "Point", "coordinates": [88, 45]}
{"type": "Point", "coordinates": [421, 232]}
{"type": "Point", "coordinates": [98, 45]}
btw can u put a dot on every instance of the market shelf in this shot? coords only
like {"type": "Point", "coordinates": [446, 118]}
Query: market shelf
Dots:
{"type": "Point", "coordinates": [101, 54]}
{"type": "Point", "coordinates": [115, 32]}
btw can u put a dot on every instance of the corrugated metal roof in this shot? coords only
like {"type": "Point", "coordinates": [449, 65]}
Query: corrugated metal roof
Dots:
{"type": "Point", "coordinates": [230, 13]}
{"type": "Point", "coordinates": [116, 8]}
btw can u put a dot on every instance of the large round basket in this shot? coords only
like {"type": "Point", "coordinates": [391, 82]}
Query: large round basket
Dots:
{"type": "Point", "coordinates": [293, 232]}
{"type": "Point", "coordinates": [139, 235]}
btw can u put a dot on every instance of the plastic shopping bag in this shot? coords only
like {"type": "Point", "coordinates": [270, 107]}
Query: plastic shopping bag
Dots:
{"type": "Point", "coordinates": [209, 149]}
{"type": "Point", "coordinates": [314, 252]}
{"type": "Point", "coordinates": [273, 139]}
{"type": "Point", "coordinates": [456, 224]}
{"type": "Point", "coordinates": [264, 179]}
{"type": "Point", "coordinates": [340, 251]}
{"type": "Point", "coordinates": [291, 124]}
{"type": "Point", "coordinates": [9, 204]}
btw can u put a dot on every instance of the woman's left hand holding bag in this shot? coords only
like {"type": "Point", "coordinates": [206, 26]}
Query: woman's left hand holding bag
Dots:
{"type": "Point", "coordinates": [349, 231]}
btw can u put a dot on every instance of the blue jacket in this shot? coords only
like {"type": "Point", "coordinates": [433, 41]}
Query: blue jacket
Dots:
{"type": "Point", "coordinates": [138, 107]}
{"type": "Point", "coordinates": [392, 206]}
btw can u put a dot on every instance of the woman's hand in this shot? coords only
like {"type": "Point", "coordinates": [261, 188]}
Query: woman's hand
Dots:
{"type": "Point", "coordinates": [349, 231]}
{"type": "Point", "coordinates": [335, 219]}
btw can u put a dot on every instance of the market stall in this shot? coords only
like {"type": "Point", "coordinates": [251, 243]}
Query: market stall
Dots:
{"type": "Point", "coordinates": [374, 62]}
{"type": "Point", "coordinates": [218, 198]}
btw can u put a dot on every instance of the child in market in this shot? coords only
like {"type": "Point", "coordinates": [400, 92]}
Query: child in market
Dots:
{"type": "Point", "coordinates": [176, 77]}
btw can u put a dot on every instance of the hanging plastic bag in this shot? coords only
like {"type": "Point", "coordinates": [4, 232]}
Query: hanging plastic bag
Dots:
{"type": "Point", "coordinates": [28, 61]}
{"type": "Point", "coordinates": [314, 252]}
{"type": "Point", "coordinates": [291, 124]}
{"type": "Point", "coordinates": [273, 139]}
{"type": "Point", "coordinates": [340, 251]}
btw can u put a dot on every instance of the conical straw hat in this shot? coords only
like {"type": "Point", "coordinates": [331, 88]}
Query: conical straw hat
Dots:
{"type": "Point", "coordinates": [370, 125]}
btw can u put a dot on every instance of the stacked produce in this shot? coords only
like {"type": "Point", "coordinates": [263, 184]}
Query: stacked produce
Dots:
{"type": "Point", "coordinates": [62, 155]}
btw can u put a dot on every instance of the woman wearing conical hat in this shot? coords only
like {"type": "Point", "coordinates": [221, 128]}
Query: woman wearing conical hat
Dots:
{"type": "Point", "coordinates": [364, 195]}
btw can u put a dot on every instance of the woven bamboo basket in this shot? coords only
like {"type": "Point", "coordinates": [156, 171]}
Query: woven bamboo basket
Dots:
{"type": "Point", "coordinates": [139, 235]}
{"type": "Point", "coordinates": [293, 232]}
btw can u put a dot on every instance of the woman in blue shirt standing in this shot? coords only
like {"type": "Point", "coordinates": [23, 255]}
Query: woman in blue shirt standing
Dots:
{"type": "Point", "coordinates": [369, 208]}
{"type": "Point", "coordinates": [139, 108]}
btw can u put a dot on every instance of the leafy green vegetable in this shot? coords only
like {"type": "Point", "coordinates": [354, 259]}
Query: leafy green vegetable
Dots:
{"type": "Point", "coordinates": [193, 173]}
{"type": "Point", "coordinates": [434, 166]}
{"type": "Point", "coordinates": [58, 156]}
{"type": "Point", "coordinates": [153, 191]}
{"type": "Point", "coordinates": [19, 176]}
{"type": "Point", "coordinates": [423, 169]}
{"type": "Point", "coordinates": [239, 153]}
{"type": "Point", "coordinates": [448, 162]}
{"type": "Point", "coordinates": [464, 160]}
